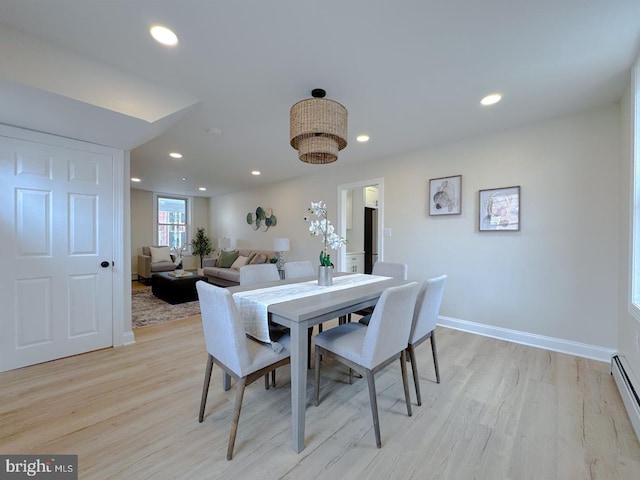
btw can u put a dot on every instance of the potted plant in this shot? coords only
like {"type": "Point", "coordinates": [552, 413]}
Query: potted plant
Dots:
{"type": "Point", "coordinates": [201, 245]}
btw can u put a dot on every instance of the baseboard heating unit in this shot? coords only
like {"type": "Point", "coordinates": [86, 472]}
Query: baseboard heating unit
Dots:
{"type": "Point", "coordinates": [628, 386]}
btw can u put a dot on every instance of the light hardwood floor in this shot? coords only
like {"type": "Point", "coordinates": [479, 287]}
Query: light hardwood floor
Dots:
{"type": "Point", "coordinates": [502, 411]}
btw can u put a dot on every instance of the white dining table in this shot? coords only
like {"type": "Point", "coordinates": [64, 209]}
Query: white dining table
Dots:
{"type": "Point", "coordinates": [300, 314]}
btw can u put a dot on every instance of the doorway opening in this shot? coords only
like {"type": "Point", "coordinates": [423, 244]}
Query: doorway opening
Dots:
{"type": "Point", "coordinates": [360, 217]}
{"type": "Point", "coordinates": [370, 238]}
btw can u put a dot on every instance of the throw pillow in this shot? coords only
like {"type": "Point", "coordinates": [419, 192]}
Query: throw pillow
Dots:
{"type": "Point", "coordinates": [160, 254]}
{"type": "Point", "coordinates": [240, 262]}
{"type": "Point", "coordinates": [227, 258]}
{"type": "Point", "coordinates": [258, 258]}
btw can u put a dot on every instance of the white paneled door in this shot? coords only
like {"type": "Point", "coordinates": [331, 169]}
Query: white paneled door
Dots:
{"type": "Point", "coordinates": [56, 244]}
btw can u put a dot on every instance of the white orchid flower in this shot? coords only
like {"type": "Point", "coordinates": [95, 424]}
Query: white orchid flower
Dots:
{"type": "Point", "coordinates": [324, 228]}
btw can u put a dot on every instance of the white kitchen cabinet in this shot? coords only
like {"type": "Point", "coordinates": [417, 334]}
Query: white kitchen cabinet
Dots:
{"type": "Point", "coordinates": [371, 197]}
{"type": "Point", "coordinates": [355, 262]}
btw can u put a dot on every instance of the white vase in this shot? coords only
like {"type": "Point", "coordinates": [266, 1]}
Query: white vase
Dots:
{"type": "Point", "coordinates": [325, 276]}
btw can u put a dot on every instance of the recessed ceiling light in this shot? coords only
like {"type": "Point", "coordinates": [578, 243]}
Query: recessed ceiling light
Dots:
{"type": "Point", "coordinates": [135, 179]}
{"type": "Point", "coordinates": [214, 131]}
{"type": "Point", "coordinates": [491, 99]}
{"type": "Point", "coordinates": [175, 155]}
{"type": "Point", "coordinates": [202, 189]}
{"type": "Point", "coordinates": [184, 179]}
{"type": "Point", "coordinates": [255, 172]}
{"type": "Point", "coordinates": [362, 138]}
{"type": "Point", "coordinates": [163, 35]}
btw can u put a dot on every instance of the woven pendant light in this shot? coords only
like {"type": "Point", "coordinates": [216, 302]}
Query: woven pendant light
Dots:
{"type": "Point", "coordinates": [318, 128]}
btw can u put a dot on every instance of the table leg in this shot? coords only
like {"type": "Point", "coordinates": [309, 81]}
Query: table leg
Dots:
{"type": "Point", "coordinates": [299, 360]}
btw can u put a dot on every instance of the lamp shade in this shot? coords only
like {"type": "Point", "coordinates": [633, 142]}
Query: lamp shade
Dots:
{"type": "Point", "coordinates": [318, 128]}
{"type": "Point", "coordinates": [224, 243]}
{"type": "Point", "coordinates": [281, 244]}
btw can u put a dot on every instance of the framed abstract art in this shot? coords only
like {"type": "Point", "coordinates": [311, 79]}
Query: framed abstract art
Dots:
{"type": "Point", "coordinates": [499, 209]}
{"type": "Point", "coordinates": [445, 195]}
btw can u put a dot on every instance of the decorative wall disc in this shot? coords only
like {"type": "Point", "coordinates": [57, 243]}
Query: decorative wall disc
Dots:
{"type": "Point", "coordinates": [263, 218]}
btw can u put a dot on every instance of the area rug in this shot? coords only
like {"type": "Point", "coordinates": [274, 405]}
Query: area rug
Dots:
{"type": "Point", "coordinates": [147, 309]}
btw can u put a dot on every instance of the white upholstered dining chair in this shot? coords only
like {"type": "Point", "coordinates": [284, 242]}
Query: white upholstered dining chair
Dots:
{"type": "Point", "coordinates": [369, 349]}
{"type": "Point", "coordinates": [268, 272]}
{"type": "Point", "coordinates": [424, 325]}
{"type": "Point", "coordinates": [390, 269]}
{"type": "Point", "coordinates": [230, 349]}
{"type": "Point", "coordinates": [261, 273]}
{"type": "Point", "coordinates": [384, 269]}
{"type": "Point", "coordinates": [298, 269]}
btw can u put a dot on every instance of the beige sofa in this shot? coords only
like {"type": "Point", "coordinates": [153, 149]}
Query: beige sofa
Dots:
{"type": "Point", "coordinates": [225, 270]}
{"type": "Point", "coordinates": [147, 267]}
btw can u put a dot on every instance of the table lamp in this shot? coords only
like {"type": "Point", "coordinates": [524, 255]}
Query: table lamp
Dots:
{"type": "Point", "coordinates": [281, 245]}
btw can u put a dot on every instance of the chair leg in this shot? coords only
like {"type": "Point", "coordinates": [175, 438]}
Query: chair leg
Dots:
{"type": "Point", "coordinates": [242, 382]}
{"type": "Point", "coordinates": [374, 407]}
{"type": "Point", "coordinates": [226, 381]}
{"type": "Point", "coordinates": [205, 387]}
{"type": "Point", "coordinates": [435, 355]}
{"type": "Point", "coordinates": [414, 370]}
{"type": "Point", "coordinates": [310, 332]}
{"type": "Point", "coordinates": [316, 384]}
{"type": "Point", "coordinates": [405, 381]}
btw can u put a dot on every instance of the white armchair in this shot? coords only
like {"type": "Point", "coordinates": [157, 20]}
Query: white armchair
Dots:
{"type": "Point", "coordinates": [152, 260]}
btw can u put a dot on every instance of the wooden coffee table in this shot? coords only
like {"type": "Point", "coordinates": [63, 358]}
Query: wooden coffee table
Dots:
{"type": "Point", "coordinates": [174, 289]}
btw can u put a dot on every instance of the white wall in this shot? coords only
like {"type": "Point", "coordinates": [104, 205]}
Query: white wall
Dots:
{"type": "Point", "coordinates": [556, 278]}
{"type": "Point", "coordinates": [141, 224]}
{"type": "Point", "coordinates": [628, 326]}
{"type": "Point", "coordinates": [355, 235]}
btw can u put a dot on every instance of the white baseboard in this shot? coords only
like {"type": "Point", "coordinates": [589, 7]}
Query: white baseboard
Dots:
{"type": "Point", "coordinates": [584, 350]}
{"type": "Point", "coordinates": [128, 338]}
{"type": "Point", "coordinates": [625, 380]}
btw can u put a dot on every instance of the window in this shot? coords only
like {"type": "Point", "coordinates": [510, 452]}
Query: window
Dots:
{"type": "Point", "coordinates": [172, 221]}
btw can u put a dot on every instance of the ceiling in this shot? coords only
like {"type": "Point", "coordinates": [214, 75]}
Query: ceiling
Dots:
{"type": "Point", "coordinates": [410, 72]}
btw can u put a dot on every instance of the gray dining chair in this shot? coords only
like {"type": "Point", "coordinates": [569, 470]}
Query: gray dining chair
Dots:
{"type": "Point", "coordinates": [384, 269]}
{"type": "Point", "coordinates": [299, 269]}
{"type": "Point", "coordinates": [368, 350]}
{"type": "Point", "coordinates": [268, 272]}
{"type": "Point", "coordinates": [228, 347]}
{"type": "Point", "coordinates": [425, 317]}
{"type": "Point", "coordinates": [261, 273]}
